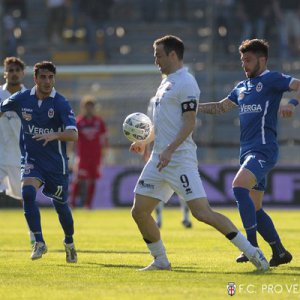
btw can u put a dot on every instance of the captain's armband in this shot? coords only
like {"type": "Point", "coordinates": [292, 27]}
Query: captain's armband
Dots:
{"type": "Point", "coordinates": [190, 105]}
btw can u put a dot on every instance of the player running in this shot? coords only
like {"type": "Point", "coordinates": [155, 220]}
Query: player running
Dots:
{"type": "Point", "coordinates": [258, 98]}
{"type": "Point", "coordinates": [92, 142]}
{"type": "Point", "coordinates": [10, 126]}
{"type": "Point", "coordinates": [48, 122]}
{"type": "Point", "coordinates": [173, 162]}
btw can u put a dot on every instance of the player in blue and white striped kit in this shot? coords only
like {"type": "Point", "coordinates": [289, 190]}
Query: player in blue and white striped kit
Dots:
{"type": "Point", "coordinates": [258, 98]}
{"type": "Point", "coordinates": [47, 123]}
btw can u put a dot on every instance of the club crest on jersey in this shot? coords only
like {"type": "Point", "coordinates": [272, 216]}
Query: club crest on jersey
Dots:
{"type": "Point", "coordinates": [259, 87]}
{"type": "Point", "coordinates": [26, 116]}
{"type": "Point", "coordinates": [51, 113]}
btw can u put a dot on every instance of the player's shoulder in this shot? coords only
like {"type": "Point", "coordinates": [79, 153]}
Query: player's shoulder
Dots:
{"type": "Point", "coordinates": [275, 75]}
{"type": "Point", "coordinates": [59, 98]}
{"type": "Point", "coordinates": [186, 80]}
{"type": "Point", "coordinates": [24, 95]}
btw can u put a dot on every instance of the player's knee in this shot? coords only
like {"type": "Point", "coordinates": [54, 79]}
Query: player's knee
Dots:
{"type": "Point", "coordinates": [201, 215]}
{"type": "Point", "coordinates": [28, 193]}
{"type": "Point", "coordinates": [137, 214]}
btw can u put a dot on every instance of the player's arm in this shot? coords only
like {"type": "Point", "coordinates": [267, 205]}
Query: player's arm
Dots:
{"type": "Point", "coordinates": [287, 110]}
{"type": "Point", "coordinates": [139, 147]}
{"type": "Point", "coordinates": [9, 104]}
{"type": "Point", "coordinates": [68, 135]}
{"type": "Point", "coordinates": [216, 108]}
{"type": "Point", "coordinates": [188, 125]}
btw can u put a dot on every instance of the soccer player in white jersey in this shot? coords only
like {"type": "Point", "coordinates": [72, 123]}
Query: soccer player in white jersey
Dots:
{"type": "Point", "coordinates": [10, 125]}
{"type": "Point", "coordinates": [258, 99]}
{"type": "Point", "coordinates": [173, 162]}
{"type": "Point", "coordinates": [48, 122]}
{"type": "Point", "coordinates": [186, 222]}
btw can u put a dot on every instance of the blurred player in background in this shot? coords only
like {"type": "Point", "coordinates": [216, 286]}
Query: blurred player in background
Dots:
{"type": "Point", "coordinates": [173, 166]}
{"type": "Point", "coordinates": [91, 145]}
{"type": "Point", "coordinates": [10, 125]}
{"type": "Point", "coordinates": [48, 122]}
{"type": "Point", "coordinates": [186, 222]}
{"type": "Point", "coordinates": [258, 98]}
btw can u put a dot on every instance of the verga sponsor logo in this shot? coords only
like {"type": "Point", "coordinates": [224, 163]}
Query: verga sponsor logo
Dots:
{"type": "Point", "coordinates": [250, 108]}
{"type": "Point", "coordinates": [37, 130]}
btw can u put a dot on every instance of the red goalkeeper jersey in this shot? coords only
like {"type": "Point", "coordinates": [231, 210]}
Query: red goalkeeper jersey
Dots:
{"type": "Point", "coordinates": [90, 138]}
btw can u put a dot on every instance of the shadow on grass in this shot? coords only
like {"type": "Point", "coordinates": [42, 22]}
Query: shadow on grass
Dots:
{"type": "Point", "coordinates": [78, 251]}
{"type": "Point", "coordinates": [192, 270]}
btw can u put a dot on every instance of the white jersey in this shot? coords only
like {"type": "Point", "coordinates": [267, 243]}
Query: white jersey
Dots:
{"type": "Point", "coordinates": [174, 91]}
{"type": "Point", "coordinates": [10, 125]}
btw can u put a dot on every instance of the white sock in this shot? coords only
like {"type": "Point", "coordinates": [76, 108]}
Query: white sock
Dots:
{"type": "Point", "coordinates": [243, 244]}
{"type": "Point", "coordinates": [31, 236]}
{"type": "Point", "coordinates": [158, 251]}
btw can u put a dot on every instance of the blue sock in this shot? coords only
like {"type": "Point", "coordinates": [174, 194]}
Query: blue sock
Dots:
{"type": "Point", "coordinates": [247, 213]}
{"type": "Point", "coordinates": [65, 219]}
{"type": "Point", "coordinates": [32, 212]}
{"type": "Point", "coordinates": [267, 230]}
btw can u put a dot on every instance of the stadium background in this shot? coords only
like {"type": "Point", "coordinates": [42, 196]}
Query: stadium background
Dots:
{"type": "Point", "coordinates": [122, 76]}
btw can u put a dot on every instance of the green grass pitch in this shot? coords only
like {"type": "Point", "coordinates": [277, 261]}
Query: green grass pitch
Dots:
{"type": "Point", "coordinates": [110, 250]}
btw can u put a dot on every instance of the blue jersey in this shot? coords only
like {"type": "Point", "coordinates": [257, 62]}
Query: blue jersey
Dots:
{"type": "Point", "coordinates": [52, 114]}
{"type": "Point", "coordinates": [258, 100]}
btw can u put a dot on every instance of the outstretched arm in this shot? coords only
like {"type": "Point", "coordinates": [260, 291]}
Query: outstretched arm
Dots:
{"type": "Point", "coordinates": [216, 108]}
{"type": "Point", "coordinates": [287, 110]}
{"type": "Point", "coordinates": [68, 135]}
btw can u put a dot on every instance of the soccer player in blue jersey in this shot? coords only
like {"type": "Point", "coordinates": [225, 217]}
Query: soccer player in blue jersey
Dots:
{"type": "Point", "coordinates": [48, 122]}
{"type": "Point", "coordinates": [258, 98]}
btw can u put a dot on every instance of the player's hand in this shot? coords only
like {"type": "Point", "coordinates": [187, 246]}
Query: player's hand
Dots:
{"type": "Point", "coordinates": [47, 137]}
{"type": "Point", "coordinates": [164, 159]}
{"type": "Point", "coordinates": [137, 147]}
{"type": "Point", "coordinates": [286, 111]}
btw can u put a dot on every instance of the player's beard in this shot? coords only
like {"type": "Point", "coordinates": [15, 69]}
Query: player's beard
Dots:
{"type": "Point", "coordinates": [255, 71]}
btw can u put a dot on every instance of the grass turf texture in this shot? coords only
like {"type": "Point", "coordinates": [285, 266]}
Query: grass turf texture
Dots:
{"type": "Point", "coordinates": [110, 250]}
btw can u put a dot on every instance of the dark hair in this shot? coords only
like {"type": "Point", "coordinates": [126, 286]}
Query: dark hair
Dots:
{"type": "Point", "coordinates": [13, 60]}
{"type": "Point", "coordinates": [48, 65]}
{"type": "Point", "coordinates": [257, 46]}
{"type": "Point", "coordinates": [171, 43]}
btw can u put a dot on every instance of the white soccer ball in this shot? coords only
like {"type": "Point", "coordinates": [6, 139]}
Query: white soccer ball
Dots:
{"type": "Point", "coordinates": [137, 127]}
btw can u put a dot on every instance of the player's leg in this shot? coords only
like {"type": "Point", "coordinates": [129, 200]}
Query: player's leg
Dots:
{"type": "Point", "coordinates": [202, 211]}
{"type": "Point", "coordinates": [141, 211]}
{"type": "Point", "coordinates": [242, 184]}
{"type": "Point", "coordinates": [186, 222]}
{"type": "Point", "coordinates": [150, 190]}
{"type": "Point", "coordinates": [187, 183]}
{"type": "Point", "coordinates": [15, 190]}
{"type": "Point", "coordinates": [56, 187]}
{"type": "Point", "coordinates": [30, 185]}
{"type": "Point", "coordinates": [158, 210]}
{"type": "Point", "coordinates": [267, 230]}
{"type": "Point", "coordinates": [91, 184]}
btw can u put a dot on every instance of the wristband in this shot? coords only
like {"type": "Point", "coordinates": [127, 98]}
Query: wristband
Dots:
{"type": "Point", "coordinates": [293, 102]}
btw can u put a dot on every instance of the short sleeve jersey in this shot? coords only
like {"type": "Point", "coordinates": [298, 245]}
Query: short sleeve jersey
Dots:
{"type": "Point", "coordinates": [52, 114]}
{"type": "Point", "coordinates": [10, 126]}
{"type": "Point", "coordinates": [90, 132]}
{"type": "Point", "coordinates": [177, 89]}
{"type": "Point", "coordinates": [258, 100]}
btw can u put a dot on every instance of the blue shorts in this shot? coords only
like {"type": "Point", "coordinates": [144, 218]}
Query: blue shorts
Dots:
{"type": "Point", "coordinates": [55, 185]}
{"type": "Point", "coordinates": [260, 166]}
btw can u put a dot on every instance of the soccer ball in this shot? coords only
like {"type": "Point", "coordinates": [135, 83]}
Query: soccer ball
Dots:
{"type": "Point", "coordinates": [137, 127]}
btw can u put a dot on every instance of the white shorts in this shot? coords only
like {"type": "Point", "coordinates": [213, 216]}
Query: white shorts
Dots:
{"type": "Point", "coordinates": [10, 178]}
{"type": "Point", "coordinates": [182, 178]}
